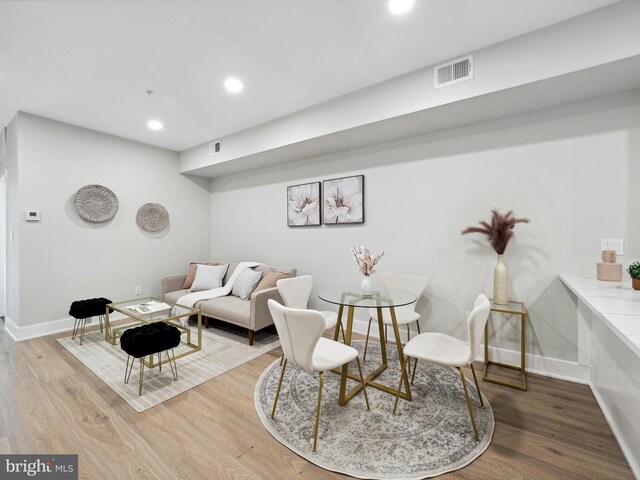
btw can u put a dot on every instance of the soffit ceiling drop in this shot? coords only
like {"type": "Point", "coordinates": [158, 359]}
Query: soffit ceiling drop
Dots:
{"type": "Point", "coordinates": [90, 63]}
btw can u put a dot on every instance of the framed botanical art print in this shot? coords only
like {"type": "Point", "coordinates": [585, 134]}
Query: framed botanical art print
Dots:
{"type": "Point", "coordinates": [303, 205]}
{"type": "Point", "coordinates": [343, 200]}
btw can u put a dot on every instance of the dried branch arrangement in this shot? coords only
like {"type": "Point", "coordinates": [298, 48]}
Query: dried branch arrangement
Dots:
{"type": "Point", "coordinates": [500, 231]}
{"type": "Point", "coordinates": [365, 259]}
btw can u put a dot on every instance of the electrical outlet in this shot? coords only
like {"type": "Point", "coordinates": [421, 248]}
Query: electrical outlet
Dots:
{"type": "Point", "coordinates": [138, 289]}
{"type": "Point", "coordinates": [612, 244]}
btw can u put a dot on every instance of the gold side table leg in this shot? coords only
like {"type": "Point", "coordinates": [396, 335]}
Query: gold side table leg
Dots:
{"type": "Point", "coordinates": [521, 368]}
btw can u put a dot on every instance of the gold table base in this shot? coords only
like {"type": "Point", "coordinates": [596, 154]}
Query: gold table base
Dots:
{"type": "Point", "coordinates": [345, 396]}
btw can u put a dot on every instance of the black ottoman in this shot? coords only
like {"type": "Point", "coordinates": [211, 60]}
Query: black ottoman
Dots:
{"type": "Point", "coordinates": [147, 340]}
{"type": "Point", "coordinates": [82, 310]}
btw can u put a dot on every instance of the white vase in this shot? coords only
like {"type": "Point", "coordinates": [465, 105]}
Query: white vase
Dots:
{"type": "Point", "coordinates": [500, 282]}
{"type": "Point", "coordinates": [365, 285]}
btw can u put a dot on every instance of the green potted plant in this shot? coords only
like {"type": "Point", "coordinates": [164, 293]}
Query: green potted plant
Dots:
{"type": "Point", "coordinates": [634, 271]}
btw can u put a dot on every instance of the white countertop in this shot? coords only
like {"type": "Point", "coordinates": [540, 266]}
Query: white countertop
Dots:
{"type": "Point", "coordinates": [615, 302]}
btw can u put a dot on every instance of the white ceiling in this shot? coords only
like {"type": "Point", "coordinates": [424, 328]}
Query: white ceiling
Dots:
{"type": "Point", "coordinates": [89, 62]}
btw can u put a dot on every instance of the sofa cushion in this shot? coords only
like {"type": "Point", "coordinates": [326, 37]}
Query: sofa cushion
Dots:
{"type": "Point", "coordinates": [227, 308]}
{"type": "Point", "coordinates": [246, 283]}
{"type": "Point", "coordinates": [208, 277]}
{"type": "Point", "coordinates": [270, 278]}
{"type": "Point", "coordinates": [191, 273]}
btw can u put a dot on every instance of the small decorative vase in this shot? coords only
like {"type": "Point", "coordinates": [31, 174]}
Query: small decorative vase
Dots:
{"type": "Point", "coordinates": [365, 285]}
{"type": "Point", "coordinates": [500, 283]}
{"type": "Point", "coordinates": [635, 283]}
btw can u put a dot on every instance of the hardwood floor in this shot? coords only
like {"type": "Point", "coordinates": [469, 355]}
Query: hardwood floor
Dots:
{"type": "Point", "coordinates": [50, 403]}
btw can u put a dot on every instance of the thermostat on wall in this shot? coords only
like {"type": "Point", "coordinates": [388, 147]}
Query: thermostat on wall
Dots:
{"type": "Point", "coordinates": [32, 215]}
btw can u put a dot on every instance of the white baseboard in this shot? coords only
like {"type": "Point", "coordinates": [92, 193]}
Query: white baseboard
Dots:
{"type": "Point", "coordinates": [549, 367]}
{"type": "Point", "coordinates": [29, 332]}
{"type": "Point", "coordinates": [630, 451]}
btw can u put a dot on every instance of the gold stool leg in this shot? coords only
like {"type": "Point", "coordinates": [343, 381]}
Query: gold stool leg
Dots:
{"type": "Point", "coordinates": [159, 361]}
{"type": "Point", "coordinates": [141, 376]}
{"type": "Point", "coordinates": [83, 324]}
{"type": "Point", "coordinates": [173, 365]}
{"type": "Point", "coordinates": [473, 370]}
{"type": "Point", "coordinates": [100, 317]}
{"type": "Point", "coordinates": [315, 434]}
{"type": "Point", "coordinates": [75, 329]}
{"type": "Point", "coordinates": [403, 367]}
{"type": "Point", "coordinates": [366, 343]}
{"type": "Point", "coordinates": [364, 386]}
{"type": "Point", "coordinates": [466, 393]}
{"type": "Point", "coordinates": [275, 403]}
{"type": "Point", "coordinates": [128, 368]}
{"type": "Point", "coordinates": [415, 365]}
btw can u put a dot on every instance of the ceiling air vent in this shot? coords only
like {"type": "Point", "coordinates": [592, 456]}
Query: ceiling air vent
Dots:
{"type": "Point", "coordinates": [455, 71]}
{"type": "Point", "coordinates": [215, 147]}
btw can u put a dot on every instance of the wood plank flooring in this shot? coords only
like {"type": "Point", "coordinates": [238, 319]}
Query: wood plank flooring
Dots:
{"type": "Point", "coordinates": [50, 403]}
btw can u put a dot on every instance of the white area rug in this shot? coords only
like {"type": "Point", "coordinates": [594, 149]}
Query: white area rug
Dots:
{"type": "Point", "coordinates": [221, 351]}
{"type": "Point", "coordinates": [429, 436]}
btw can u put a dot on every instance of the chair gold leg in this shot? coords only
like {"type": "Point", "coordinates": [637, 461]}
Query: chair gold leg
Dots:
{"type": "Point", "coordinates": [386, 335]}
{"type": "Point", "coordinates": [408, 338]}
{"type": "Point", "coordinates": [415, 365]}
{"type": "Point", "coordinates": [466, 393]}
{"type": "Point", "coordinates": [366, 343]}
{"type": "Point", "coordinates": [403, 371]}
{"type": "Point", "coordinates": [128, 368]}
{"type": "Point", "coordinates": [275, 403]}
{"type": "Point", "coordinates": [281, 359]}
{"type": "Point", "coordinates": [343, 335]}
{"type": "Point", "coordinates": [364, 386]}
{"type": "Point", "coordinates": [418, 326]}
{"type": "Point", "coordinates": [473, 370]}
{"type": "Point", "coordinates": [141, 376]}
{"type": "Point", "coordinates": [315, 434]}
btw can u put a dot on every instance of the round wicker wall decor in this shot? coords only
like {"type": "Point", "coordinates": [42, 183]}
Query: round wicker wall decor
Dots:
{"type": "Point", "coordinates": [152, 217]}
{"type": "Point", "coordinates": [95, 203]}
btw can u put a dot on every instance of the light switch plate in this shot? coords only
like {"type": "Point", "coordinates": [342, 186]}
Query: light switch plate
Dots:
{"type": "Point", "coordinates": [612, 244]}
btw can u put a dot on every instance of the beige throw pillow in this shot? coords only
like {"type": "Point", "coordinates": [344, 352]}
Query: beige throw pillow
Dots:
{"type": "Point", "coordinates": [191, 273]}
{"type": "Point", "coordinates": [270, 278]}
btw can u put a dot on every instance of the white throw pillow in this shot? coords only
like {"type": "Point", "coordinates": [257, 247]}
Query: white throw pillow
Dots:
{"type": "Point", "coordinates": [246, 283]}
{"type": "Point", "coordinates": [208, 277]}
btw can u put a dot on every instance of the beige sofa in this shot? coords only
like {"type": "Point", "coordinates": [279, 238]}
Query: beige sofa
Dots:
{"type": "Point", "coordinates": [253, 314]}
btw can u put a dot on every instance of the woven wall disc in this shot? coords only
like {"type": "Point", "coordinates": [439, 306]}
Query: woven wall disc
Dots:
{"type": "Point", "coordinates": [152, 217]}
{"type": "Point", "coordinates": [95, 203]}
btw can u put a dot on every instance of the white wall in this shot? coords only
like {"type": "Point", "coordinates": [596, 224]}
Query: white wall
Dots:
{"type": "Point", "coordinates": [63, 258]}
{"type": "Point", "coordinates": [563, 168]}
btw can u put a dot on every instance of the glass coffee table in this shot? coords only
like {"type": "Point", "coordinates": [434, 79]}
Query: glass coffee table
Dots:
{"type": "Point", "coordinates": [144, 314]}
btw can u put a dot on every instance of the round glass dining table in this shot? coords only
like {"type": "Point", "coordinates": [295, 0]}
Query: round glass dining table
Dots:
{"type": "Point", "coordinates": [351, 297]}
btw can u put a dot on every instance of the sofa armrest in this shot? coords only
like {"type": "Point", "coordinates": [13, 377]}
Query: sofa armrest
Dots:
{"type": "Point", "coordinates": [260, 314]}
{"type": "Point", "coordinates": [172, 283]}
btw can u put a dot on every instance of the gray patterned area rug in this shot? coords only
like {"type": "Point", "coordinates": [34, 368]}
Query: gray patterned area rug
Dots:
{"type": "Point", "coordinates": [221, 351]}
{"type": "Point", "coordinates": [429, 436]}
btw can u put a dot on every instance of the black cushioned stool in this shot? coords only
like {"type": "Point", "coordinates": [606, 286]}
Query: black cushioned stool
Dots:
{"type": "Point", "coordinates": [82, 310]}
{"type": "Point", "coordinates": [147, 340]}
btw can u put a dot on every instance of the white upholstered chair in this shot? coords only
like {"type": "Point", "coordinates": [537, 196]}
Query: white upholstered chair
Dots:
{"type": "Point", "coordinates": [405, 315]}
{"type": "Point", "coordinates": [295, 293]}
{"type": "Point", "coordinates": [449, 351]}
{"type": "Point", "coordinates": [300, 333]}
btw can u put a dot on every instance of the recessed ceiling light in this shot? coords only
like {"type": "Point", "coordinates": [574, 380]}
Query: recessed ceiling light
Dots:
{"type": "Point", "coordinates": [155, 125]}
{"type": "Point", "coordinates": [400, 6]}
{"type": "Point", "coordinates": [233, 85]}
